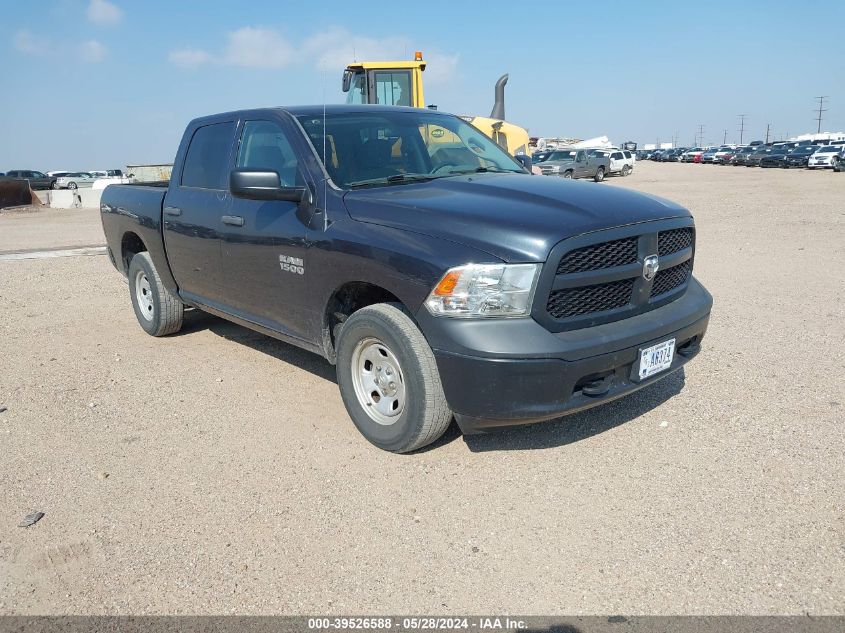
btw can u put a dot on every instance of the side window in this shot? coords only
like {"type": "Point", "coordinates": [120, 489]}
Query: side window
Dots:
{"type": "Point", "coordinates": [393, 88]}
{"type": "Point", "coordinates": [617, 156]}
{"type": "Point", "coordinates": [264, 145]}
{"type": "Point", "coordinates": [627, 154]}
{"type": "Point", "coordinates": [207, 159]}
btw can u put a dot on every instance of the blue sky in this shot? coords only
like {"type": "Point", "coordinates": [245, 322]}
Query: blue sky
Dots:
{"type": "Point", "coordinates": [94, 84]}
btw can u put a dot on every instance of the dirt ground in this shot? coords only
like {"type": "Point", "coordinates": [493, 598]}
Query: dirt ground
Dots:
{"type": "Point", "coordinates": [216, 471]}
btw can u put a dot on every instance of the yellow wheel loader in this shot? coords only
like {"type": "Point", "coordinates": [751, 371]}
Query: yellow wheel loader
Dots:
{"type": "Point", "coordinates": [401, 83]}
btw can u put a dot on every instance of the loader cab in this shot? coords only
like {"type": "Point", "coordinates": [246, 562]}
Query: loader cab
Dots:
{"type": "Point", "coordinates": [385, 83]}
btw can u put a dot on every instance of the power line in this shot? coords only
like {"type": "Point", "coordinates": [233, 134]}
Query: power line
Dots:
{"type": "Point", "coordinates": [741, 127]}
{"type": "Point", "coordinates": [819, 117]}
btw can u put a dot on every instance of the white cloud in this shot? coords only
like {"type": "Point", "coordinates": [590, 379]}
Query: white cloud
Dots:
{"type": "Point", "coordinates": [92, 51]}
{"type": "Point", "coordinates": [104, 13]}
{"type": "Point", "coordinates": [190, 57]}
{"type": "Point", "coordinates": [27, 42]}
{"type": "Point", "coordinates": [330, 50]}
{"type": "Point", "coordinates": [257, 48]}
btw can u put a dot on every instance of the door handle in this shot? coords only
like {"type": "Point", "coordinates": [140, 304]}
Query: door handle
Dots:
{"type": "Point", "coordinates": [233, 220]}
{"type": "Point", "coordinates": [172, 211]}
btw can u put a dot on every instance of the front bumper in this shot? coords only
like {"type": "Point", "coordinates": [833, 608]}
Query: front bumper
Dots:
{"type": "Point", "coordinates": [506, 372]}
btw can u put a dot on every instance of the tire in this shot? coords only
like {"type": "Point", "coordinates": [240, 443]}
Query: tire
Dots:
{"type": "Point", "coordinates": [626, 170]}
{"type": "Point", "coordinates": [599, 174]}
{"type": "Point", "coordinates": [567, 174]}
{"type": "Point", "coordinates": [54, 185]}
{"type": "Point", "coordinates": [159, 311]}
{"type": "Point", "coordinates": [385, 333]}
{"type": "Point", "coordinates": [71, 185]}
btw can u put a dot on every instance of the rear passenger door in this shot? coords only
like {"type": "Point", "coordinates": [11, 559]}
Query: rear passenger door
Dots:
{"type": "Point", "coordinates": [264, 242]}
{"type": "Point", "coordinates": [195, 204]}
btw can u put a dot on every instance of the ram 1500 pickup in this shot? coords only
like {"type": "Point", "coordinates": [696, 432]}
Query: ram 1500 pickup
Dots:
{"type": "Point", "coordinates": [407, 248]}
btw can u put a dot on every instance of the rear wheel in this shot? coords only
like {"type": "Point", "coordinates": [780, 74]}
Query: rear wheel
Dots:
{"type": "Point", "coordinates": [626, 170]}
{"type": "Point", "coordinates": [159, 311]}
{"type": "Point", "coordinates": [599, 174]}
{"type": "Point", "coordinates": [389, 381]}
{"type": "Point", "coordinates": [71, 185]}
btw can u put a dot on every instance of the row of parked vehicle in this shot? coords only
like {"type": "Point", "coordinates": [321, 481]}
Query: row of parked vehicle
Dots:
{"type": "Point", "coordinates": [758, 154]}
{"type": "Point", "coordinates": [595, 163]}
{"type": "Point", "coordinates": [60, 179]}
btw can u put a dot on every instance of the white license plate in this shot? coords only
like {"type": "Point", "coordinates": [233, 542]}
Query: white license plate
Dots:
{"type": "Point", "coordinates": [656, 358]}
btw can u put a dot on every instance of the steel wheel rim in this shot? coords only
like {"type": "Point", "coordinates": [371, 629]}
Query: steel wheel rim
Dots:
{"type": "Point", "coordinates": [144, 295]}
{"type": "Point", "coordinates": [378, 381]}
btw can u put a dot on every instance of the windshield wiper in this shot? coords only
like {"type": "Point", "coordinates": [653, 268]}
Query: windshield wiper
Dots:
{"type": "Point", "coordinates": [396, 179]}
{"type": "Point", "coordinates": [482, 170]}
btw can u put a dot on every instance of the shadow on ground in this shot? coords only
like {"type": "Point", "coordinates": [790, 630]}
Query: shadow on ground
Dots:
{"type": "Point", "coordinates": [559, 432]}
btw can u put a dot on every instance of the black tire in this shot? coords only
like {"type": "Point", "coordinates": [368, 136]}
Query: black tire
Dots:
{"type": "Point", "coordinates": [626, 170]}
{"type": "Point", "coordinates": [54, 185]}
{"type": "Point", "coordinates": [163, 312]}
{"type": "Point", "coordinates": [424, 415]}
{"type": "Point", "coordinates": [71, 185]}
{"type": "Point", "coordinates": [599, 174]}
{"type": "Point", "coordinates": [567, 174]}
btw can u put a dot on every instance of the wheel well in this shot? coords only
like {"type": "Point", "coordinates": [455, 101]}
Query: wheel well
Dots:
{"type": "Point", "coordinates": [130, 246]}
{"type": "Point", "coordinates": [345, 301]}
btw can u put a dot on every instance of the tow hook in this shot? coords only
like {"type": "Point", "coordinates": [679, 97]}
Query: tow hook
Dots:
{"type": "Point", "coordinates": [598, 387]}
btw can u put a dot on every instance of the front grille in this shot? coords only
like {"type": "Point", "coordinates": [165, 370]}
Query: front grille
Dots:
{"type": "Point", "coordinates": [669, 242]}
{"type": "Point", "coordinates": [588, 299]}
{"type": "Point", "coordinates": [670, 278]}
{"type": "Point", "coordinates": [599, 256]}
{"type": "Point", "coordinates": [603, 282]}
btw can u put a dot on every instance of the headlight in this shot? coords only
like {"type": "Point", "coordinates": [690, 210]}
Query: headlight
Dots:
{"type": "Point", "coordinates": [485, 290]}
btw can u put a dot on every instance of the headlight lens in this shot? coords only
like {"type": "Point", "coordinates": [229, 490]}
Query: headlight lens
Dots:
{"type": "Point", "coordinates": [485, 290]}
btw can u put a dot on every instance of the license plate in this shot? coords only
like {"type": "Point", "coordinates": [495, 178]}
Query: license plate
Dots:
{"type": "Point", "coordinates": [656, 358]}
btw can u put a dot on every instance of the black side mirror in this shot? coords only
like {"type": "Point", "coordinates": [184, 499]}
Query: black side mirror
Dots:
{"type": "Point", "coordinates": [347, 80]}
{"type": "Point", "coordinates": [254, 184]}
{"type": "Point", "coordinates": [525, 160]}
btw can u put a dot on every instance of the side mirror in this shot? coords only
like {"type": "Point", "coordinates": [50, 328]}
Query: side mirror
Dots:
{"type": "Point", "coordinates": [347, 80]}
{"type": "Point", "coordinates": [525, 160]}
{"type": "Point", "coordinates": [254, 184]}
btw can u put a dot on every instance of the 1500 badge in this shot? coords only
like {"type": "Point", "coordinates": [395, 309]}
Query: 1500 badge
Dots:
{"type": "Point", "coordinates": [292, 264]}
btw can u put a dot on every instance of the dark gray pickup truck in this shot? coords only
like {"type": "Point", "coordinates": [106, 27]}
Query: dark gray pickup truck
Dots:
{"type": "Point", "coordinates": [403, 245]}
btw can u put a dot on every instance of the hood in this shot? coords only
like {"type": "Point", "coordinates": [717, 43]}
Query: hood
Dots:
{"type": "Point", "coordinates": [515, 217]}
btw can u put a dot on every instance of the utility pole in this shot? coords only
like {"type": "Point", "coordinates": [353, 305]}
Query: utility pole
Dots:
{"type": "Point", "coordinates": [767, 133]}
{"type": "Point", "coordinates": [819, 117]}
{"type": "Point", "coordinates": [700, 134]}
{"type": "Point", "coordinates": [725, 138]}
{"type": "Point", "coordinates": [741, 127]}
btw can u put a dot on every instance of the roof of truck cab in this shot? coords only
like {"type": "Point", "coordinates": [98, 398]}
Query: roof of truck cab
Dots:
{"type": "Point", "coordinates": [312, 110]}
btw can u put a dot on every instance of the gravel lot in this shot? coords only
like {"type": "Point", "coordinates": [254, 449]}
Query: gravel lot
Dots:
{"type": "Point", "coordinates": [216, 471]}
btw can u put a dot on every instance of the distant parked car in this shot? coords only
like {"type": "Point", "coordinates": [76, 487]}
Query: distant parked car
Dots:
{"type": "Point", "coordinates": [823, 157]}
{"type": "Point", "coordinates": [709, 156]}
{"type": "Point", "coordinates": [689, 155]}
{"type": "Point", "coordinates": [839, 161]}
{"type": "Point", "coordinates": [37, 179]}
{"type": "Point", "coordinates": [799, 156]}
{"type": "Point", "coordinates": [74, 180]}
{"type": "Point", "coordinates": [118, 173]}
{"type": "Point", "coordinates": [577, 164]}
{"type": "Point", "coordinates": [775, 158]}
{"type": "Point", "coordinates": [754, 158]}
{"type": "Point", "coordinates": [740, 155]}
{"type": "Point", "coordinates": [621, 162]}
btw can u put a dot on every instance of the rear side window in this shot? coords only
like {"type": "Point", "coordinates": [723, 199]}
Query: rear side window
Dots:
{"type": "Point", "coordinates": [627, 154]}
{"type": "Point", "coordinates": [617, 156]}
{"type": "Point", "coordinates": [207, 159]}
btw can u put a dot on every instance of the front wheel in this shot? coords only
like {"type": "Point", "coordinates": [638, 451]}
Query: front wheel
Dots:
{"type": "Point", "coordinates": [567, 174]}
{"type": "Point", "coordinates": [159, 311]}
{"type": "Point", "coordinates": [389, 381]}
{"type": "Point", "coordinates": [71, 185]}
{"type": "Point", "coordinates": [599, 174]}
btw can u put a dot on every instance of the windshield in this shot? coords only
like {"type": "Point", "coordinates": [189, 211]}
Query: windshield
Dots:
{"type": "Point", "coordinates": [803, 150]}
{"type": "Point", "coordinates": [828, 150]}
{"type": "Point", "coordinates": [365, 149]}
{"type": "Point", "coordinates": [563, 156]}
